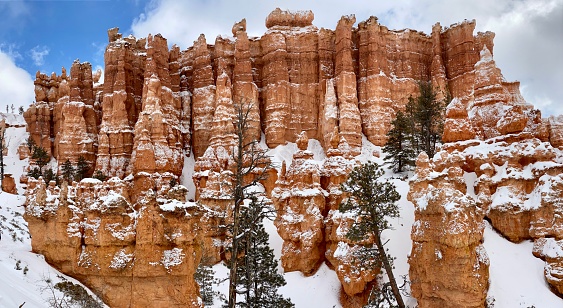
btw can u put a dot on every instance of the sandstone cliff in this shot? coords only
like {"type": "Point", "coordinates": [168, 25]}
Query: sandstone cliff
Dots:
{"type": "Point", "coordinates": [158, 105]}
{"type": "Point", "coordinates": [93, 232]}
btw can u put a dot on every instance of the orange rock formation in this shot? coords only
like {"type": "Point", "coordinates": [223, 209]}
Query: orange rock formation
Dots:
{"type": "Point", "coordinates": [158, 106]}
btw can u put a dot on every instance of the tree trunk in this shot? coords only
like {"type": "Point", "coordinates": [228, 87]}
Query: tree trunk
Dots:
{"type": "Point", "coordinates": [389, 271]}
{"type": "Point", "coordinates": [2, 133]}
{"type": "Point", "coordinates": [234, 258]}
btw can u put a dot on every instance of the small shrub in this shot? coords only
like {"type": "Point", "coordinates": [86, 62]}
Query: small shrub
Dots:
{"type": "Point", "coordinates": [100, 175]}
{"type": "Point", "coordinates": [76, 294]}
{"type": "Point", "coordinates": [49, 175]}
{"type": "Point", "coordinates": [34, 173]}
{"type": "Point", "coordinates": [18, 265]}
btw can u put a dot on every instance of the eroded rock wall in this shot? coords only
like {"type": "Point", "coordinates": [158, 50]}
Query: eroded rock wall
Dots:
{"type": "Point", "coordinates": [92, 231]}
{"type": "Point", "coordinates": [296, 76]}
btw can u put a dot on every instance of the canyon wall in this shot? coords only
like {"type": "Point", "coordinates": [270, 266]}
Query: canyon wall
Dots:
{"type": "Point", "coordinates": [158, 105]}
{"type": "Point", "coordinates": [297, 78]}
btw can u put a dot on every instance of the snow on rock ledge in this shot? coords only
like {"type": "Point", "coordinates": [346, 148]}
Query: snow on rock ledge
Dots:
{"type": "Point", "coordinates": [120, 249]}
{"type": "Point", "coordinates": [514, 181]}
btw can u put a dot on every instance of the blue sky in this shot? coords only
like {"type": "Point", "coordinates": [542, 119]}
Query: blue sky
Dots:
{"type": "Point", "coordinates": [46, 35]}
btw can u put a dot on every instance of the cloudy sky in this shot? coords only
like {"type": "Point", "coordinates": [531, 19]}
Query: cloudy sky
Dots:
{"type": "Point", "coordinates": [46, 35]}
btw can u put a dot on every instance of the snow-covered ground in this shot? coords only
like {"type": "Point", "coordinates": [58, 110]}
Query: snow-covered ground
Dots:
{"type": "Point", "coordinates": [516, 275]}
{"type": "Point", "coordinates": [23, 274]}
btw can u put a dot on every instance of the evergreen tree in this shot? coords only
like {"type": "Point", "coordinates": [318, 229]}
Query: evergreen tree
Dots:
{"type": "Point", "coordinates": [204, 278]}
{"type": "Point", "coordinates": [427, 115]}
{"type": "Point", "coordinates": [41, 157]}
{"type": "Point", "coordinates": [82, 168]}
{"type": "Point", "coordinates": [30, 143]}
{"type": "Point", "coordinates": [257, 275]}
{"type": "Point", "coordinates": [419, 128]}
{"type": "Point", "coordinates": [400, 144]}
{"type": "Point", "coordinates": [173, 182]}
{"type": "Point", "coordinates": [20, 110]}
{"type": "Point", "coordinates": [372, 202]}
{"type": "Point", "coordinates": [34, 173]}
{"type": "Point", "coordinates": [67, 171]}
{"type": "Point", "coordinates": [49, 176]}
{"type": "Point", "coordinates": [381, 297]}
{"type": "Point", "coordinates": [100, 175]}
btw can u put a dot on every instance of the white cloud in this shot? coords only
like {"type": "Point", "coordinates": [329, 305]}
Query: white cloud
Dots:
{"type": "Point", "coordinates": [528, 42]}
{"type": "Point", "coordinates": [11, 50]}
{"type": "Point", "coordinates": [38, 54]}
{"type": "Point", "coordinates": [16, 85]}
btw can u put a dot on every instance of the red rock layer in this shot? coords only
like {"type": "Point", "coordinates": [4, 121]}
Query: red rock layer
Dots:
{"type": "Point", "coordinates": [158, 139]}
{"type": "Point", "coordinates": [121, 103]}
{"type": "Point", "coordinates": [76, 120]}
{"type": "Point", "coordinates": [448, 264]}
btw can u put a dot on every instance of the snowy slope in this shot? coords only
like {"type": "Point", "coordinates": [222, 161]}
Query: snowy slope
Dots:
{"type": "Point", "coordinates": [23, 273]}
{"type": "Point", "coordinates": [516, 275]}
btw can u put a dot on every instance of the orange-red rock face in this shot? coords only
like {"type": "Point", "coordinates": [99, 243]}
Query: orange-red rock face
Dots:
{"type": "Point", "coordinates": [300, 203]}
{"type": "Point", "coordinates": [121, 102]}
{"type": "Point", "coordinates": [448, 264]}
{"type": "Point", "coordinates": [96, 235]}
{"type": "Point", "coordinates": [157, 145]}
{"type": "Point", "coordinates": [297, 78]}
{"type": "Point", "coordinates": [75, 115]}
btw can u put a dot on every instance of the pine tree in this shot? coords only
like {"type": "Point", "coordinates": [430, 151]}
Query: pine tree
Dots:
{"type": "Point", "coordinates": [82, 168]}
{"type": "Point", "coordinates": [100, 175]}
{"type": "Point", "coordinates": [427, 115]}
{"type": "Point", "coordinates": [34, 173]}
{"type": "Point", "coordinates": [20, 110]}
{"type": "Point", "coordinates": [67, 171]}
{"type": "Point", "coordinates": [400, 144]}
{"type": "Point", "coordinates": [204, 278]}
{"type": "Point", "coordinates": [257, 275]}
{"type": "Point", "coordinates": [372, 201]}
{"type": "Point", "coordinates": [419, 128]}
{"type": "Point", "coordinates": [30, 143]}
{"type": "Point", "coordinates": [40, 156]}
{"type": "Point", "coordinates": [49, 176]}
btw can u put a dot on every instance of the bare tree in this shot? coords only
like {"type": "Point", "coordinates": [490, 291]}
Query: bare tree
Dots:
{"type": "Point", "coordinates": [2, 146]}
{"type": "Point", "coordinates": [251, 166]}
